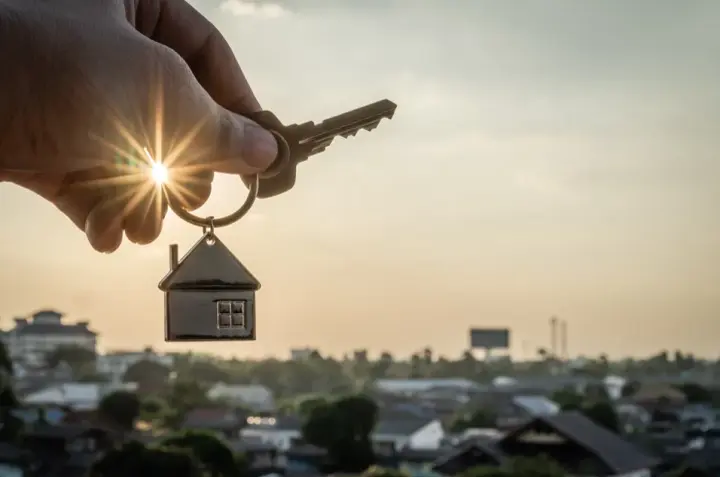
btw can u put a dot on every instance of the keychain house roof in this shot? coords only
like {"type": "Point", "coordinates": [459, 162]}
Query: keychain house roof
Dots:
{"type": "Point", "coordinates": [209, 294]}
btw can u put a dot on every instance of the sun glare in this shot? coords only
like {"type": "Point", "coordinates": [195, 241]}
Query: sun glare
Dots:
{"type": "Point", "coordinates": [158, 170]}
{"type": "Point", "coordinates": [159, 173]}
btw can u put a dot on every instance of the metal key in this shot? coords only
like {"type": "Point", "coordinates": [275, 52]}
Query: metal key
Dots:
{"type": "Point", "coordinates": [297, 142]}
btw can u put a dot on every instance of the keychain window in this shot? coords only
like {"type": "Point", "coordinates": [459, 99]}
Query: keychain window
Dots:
{"type": "Point", "coordinates": [231, 314]}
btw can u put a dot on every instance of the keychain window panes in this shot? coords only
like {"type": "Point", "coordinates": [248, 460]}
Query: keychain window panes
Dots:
{"type": "Point", "coordinates": [231, 314]}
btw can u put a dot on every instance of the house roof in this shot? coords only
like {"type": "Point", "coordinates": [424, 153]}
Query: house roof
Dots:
{"type": "Point", "coordinates": [620, 455]}
{"type": "Point", "coordinates": [423, 384]}
{"type": "Point", "coordinates": [400, 427]}
{"type": "Point", "coordinates": [471, 448]}
{"type": "Point", "coordinates": [53, 329]}
{"type": "Point", "coordinates": [212, 418]}
{"type": "Point", "coordinates": [649, 392]}
{"type": "Point", "coordinates": [209, 266]}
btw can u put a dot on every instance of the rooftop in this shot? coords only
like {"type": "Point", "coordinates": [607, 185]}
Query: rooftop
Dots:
{"type": "Point", "coordinates": [49, 322]}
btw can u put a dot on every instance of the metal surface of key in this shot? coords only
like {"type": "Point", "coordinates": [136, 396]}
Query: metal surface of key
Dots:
{"type": "Point", "coordinates": [307, 139]}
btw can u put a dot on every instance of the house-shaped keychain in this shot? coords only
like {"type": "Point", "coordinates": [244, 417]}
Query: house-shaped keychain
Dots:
{"type": "Point", "coordinates": [209, 294]}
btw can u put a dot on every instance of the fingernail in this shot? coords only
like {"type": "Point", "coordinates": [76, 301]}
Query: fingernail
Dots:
{"type": "Point", "coordinates": [259, 147]}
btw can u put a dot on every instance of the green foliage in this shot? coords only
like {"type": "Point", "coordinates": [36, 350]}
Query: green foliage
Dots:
{"type": "Point", "coordinates": [377, 471]}
{"type": "Point", "coordinates": [12, 426]}
{"type": "Point", "coordinates": [121, 408]}
{"type": "Point", "coordinates": [136, 460]}
{"type": "Point", "coordinates": [343, 428]}
{"type": "Point", "coordinates": [353, 373]}
{"type": "Point", "coordinates": [695, 393]}
{"type": "Point", "coordinates": [214, 455]}
{"type": "Point", "coordinates": [477, 419]}
{"type": "Point", "coordinates": [568, 399]}
{"type": "Point", "coordinates": [541, 466]}
{"type": "Point", "coordinates": [304, 406]}
{"type": "Point", "coordinates": [153, 409]}
{"type": "Point", "coordinates": [520, 467]}
{"type": "Point", "coordinates": [630, 388]}
{"type": "Point", "coordinates": [183, 397]}
{"type": "Point", "coordinates": [146, 371]}
{"type": "Point", "coordinates": [602, 414]}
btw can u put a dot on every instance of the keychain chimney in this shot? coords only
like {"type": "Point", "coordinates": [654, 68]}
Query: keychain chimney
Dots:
{"type": "Point", "coordinates": [173, 256]}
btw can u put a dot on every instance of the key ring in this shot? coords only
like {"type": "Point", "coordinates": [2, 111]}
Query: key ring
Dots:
{"type": "Point", "coordinates": [211, 223]}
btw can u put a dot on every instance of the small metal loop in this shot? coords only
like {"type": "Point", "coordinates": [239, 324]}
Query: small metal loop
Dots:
{"type": "Point", "coordinates": [209, 229]}
{"type": "Point", "coordinates": [211, 223]}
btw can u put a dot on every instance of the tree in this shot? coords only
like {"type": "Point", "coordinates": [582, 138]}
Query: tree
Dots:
{"type": "Point", "coordinates": [304, 406]}
{"type": "Point", "coordinates": [695, 393]}
{"type": "Point", "coordinates": [541, 466]}
{"type": "Point", "coordinates": [519, 467]}
{"type": "Point", "coordinates": [12, 426]}
{"type": "Point", "coordinates": [568, 399]}
{"type": "Point", "coordinates": [121, 408]}
{"type": "Point", "coordinates": [477, 419]}
{"type": "Point", "coordinates": [603, 414]}
{"type": "Point", "coordinates": [630, 388]}
{"type": "Point", "coordinates": [183, 397]}
{"type": "Point", "coordinates": [146, 371]}
{"type": "Point", "coordinates": [204, 371]}
{"type": "Point", "coordinates": [379, 369]}
{"type": "Point", "coordinates": [134, 459]}
{"type": "Point", "coordinates": [77, 357]}
{"type": "Point", "coordinates": [376, 471]}
{"type": "Point", "coordinates": [153, 409]}
{"type": "Point", "coordinates": [214, 456]}
{"type": "Point", "coordinates": [343, 427]}
{"type": "Point", "coordinates": [596, 392]}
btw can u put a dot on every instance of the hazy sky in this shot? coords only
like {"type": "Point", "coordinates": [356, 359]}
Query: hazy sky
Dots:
{"type": "Point", "coordinates": [547, 157]}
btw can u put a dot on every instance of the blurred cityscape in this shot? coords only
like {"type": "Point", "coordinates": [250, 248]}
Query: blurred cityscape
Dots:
{"type": "Point", "coordinates": [67, 405]}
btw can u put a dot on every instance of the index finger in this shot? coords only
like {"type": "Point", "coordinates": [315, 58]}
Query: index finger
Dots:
{"type": "Point", "coordinates": [177, 25]}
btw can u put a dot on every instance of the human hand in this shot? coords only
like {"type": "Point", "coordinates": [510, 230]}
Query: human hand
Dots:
{"type": "Point", "coordinates": [85, 75]}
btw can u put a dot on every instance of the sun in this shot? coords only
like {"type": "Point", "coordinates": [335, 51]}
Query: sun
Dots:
{"type": "Point", "coordinates": [159, 173]}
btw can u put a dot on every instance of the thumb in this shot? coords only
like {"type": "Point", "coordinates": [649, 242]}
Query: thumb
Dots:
{"type": "Point", "coordinates": [214, 137]}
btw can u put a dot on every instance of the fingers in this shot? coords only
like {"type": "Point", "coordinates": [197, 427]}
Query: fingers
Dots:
{"type": "Point", "coordinates": [177, 25]}
{"type": "Point", "coordinates": [212, 137]}
{"type": "Point", "coordinates": [144, 220]}
{"type": "Point", "coordinates": [191, 190]}
{"type": "Point", "coordinates": [104, 226]}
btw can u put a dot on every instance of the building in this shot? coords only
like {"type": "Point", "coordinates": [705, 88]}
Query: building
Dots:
{"type": "Point", "coordinates": [32, 339]}
{"type": "Point", "coordinates": [76, 396]}
{"type": "Point", "coordinates": [250, 396]}
{"type": "Point", "coordinates": [285, 432]}
{"type": "Point", "coordinates": [299, 354]}
{"type": "Point", "coordinates": [116, 364]}
{"type": "Point", "coordinates": [401, 434]}
{"type": "Point", "coordinates": [409, 387]}
{"type": "Point", "coordinates": [578, 445]}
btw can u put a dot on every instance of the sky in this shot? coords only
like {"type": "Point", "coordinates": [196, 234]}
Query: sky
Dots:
{"type": "Point", "coordinates": [547, 158]}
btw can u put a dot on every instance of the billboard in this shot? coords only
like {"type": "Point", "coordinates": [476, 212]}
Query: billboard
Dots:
{"type": "Point", "coordinates": [490, 338]}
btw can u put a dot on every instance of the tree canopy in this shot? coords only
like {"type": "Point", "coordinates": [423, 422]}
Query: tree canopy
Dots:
{"type": "Point", "coordinates": [214, 456]}
{"type": "Point", "coordinates": [121, 408]}
{"type": "Point", "coordinates": [342, 427]}
{"type": "Point", "coordinates": [136, 460]}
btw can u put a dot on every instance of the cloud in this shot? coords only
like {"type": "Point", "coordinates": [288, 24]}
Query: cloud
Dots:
{"type": "Point", "coordinates": [251, 8]}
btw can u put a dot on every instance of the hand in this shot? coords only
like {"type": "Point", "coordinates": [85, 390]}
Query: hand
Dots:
{"type": "Point", "coordinates": [84, 76]}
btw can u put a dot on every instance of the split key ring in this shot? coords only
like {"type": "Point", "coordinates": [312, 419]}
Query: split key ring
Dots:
{"type": "Point", "coordinates": [211, 223]}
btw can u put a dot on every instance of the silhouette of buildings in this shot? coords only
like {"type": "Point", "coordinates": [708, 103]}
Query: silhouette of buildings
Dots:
{"type": "Point", "coordinates": [30, 340]}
